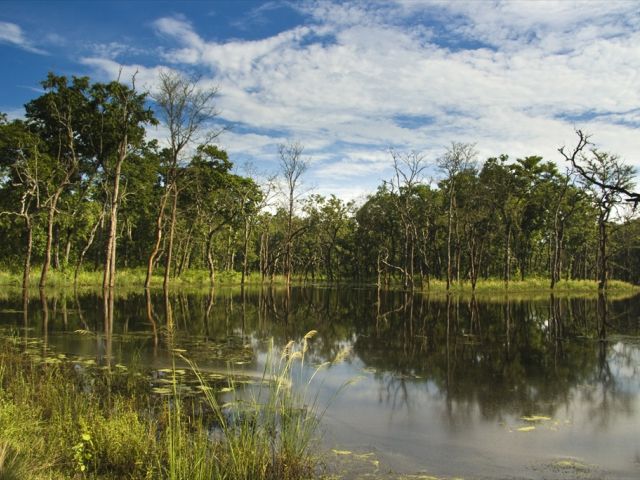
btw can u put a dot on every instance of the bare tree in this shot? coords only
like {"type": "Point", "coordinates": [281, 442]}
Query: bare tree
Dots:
{"type": "Point", "coordinates": [575, 158]}
{"type": "Point", "coordinates": [292, 166]}
{"type": "Point", "coordinates": [185, 108]}
{"type": "Point", "coordinates": [408, 173]}
{"type": "Point", "coordinates": [458, 158]}
{"type": "Point", "coordinates": [609, 181]}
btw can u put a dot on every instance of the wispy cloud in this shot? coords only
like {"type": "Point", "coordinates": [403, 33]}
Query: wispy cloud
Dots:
{"type": "Point", "coordinates": [114, 50]}
{"type": "Point", "coordinates": [12, 34]}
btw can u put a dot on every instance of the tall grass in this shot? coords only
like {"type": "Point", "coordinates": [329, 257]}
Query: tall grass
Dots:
{"type": "Point", "coordinates": [266, 431]}
{"type": "Point", "coordinates": [61, 420]}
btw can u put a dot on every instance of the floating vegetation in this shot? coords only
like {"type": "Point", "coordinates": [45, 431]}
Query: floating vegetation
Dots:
{"type": "Point", "coordinates": [526, 429]}
{"type": "Point", "coordinates": [536, 422]}
{"type": "Point", "coordinates": [571, 464]}
{"type": "Point", "coordinates": [535, 418]}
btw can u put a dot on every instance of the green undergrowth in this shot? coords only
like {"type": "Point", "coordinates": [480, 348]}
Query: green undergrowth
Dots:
{"type": "Point", "coordinates": [135, 277]}
{"type": "Point", "coordinates": [75, 420]}
{"type": "Point", "coordinates": [533, 286]}
{"type": "Point", "coordinates": [198, 280]}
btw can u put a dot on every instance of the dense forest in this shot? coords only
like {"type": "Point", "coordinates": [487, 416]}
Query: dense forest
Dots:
{"type": "Point", "coordinates": [83, 188]}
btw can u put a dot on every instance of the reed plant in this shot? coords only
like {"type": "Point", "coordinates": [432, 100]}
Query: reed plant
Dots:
{"type": "Point", "coordinates": [266, 431]}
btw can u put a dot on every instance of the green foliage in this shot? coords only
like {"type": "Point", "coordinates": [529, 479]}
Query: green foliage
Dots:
{"type": "Point", "coordinates": [504, 218]}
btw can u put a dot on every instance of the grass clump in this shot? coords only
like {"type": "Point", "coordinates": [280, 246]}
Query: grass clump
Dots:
{"type": "Point", "coordinates": [266, 431]}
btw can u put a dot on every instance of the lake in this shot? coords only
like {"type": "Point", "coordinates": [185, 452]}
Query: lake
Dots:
{"type": "Point", "coordinates": [499, 387]}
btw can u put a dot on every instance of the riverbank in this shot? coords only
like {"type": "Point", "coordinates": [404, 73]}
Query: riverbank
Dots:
{"type": "Point", "coordinates": [199, 280]}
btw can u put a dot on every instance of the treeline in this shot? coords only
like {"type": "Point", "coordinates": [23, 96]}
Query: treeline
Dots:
{"type": "Point", "coordinates": [82, 187]}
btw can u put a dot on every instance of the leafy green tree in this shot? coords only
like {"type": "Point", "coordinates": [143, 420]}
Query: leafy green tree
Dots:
{"type": "Point", "coordinates": [122, 114]}
{"type": "Point", "coordinates": [58, 117]}
{"type": "Point", "coordinates": [20, 157]}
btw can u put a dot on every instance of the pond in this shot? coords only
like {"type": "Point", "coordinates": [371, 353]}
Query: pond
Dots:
{"type": "Point", "coordinates": [445, 387]}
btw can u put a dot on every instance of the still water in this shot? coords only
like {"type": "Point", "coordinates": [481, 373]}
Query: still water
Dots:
{"type": "Point", "coordinates": [447, 387]}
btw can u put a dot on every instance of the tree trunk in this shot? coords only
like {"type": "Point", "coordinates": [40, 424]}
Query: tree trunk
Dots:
{"type": "Point", "coordinates": [172, 227]}
{"type": "Point", "coordinates": [67, 248]}
{"type": "Point", "coordinates": [602, 260]}
{"type": "Point", "coordinates": [449, 232]}
{"type": "Point", "coordinates": [109, 278]}
{"type": "Point", "coordinates": [210, 261]}
{"type": "Point", "coordinates": [56, 248]}
{"type": "Point", "coordinates": [86, 248]}
{"type": "Point", "coordinates": [507, 255]}
{"type": "Point", "coordinates": [47, 254]}
{"type": "Point", "coordinates": [186, 251]}
{"type": "Point", "coordinates": [245, 259]}
{"type": "Point", "coordinates": [27, 257]}
{"type": "Point", "coordinates": [156, 245]}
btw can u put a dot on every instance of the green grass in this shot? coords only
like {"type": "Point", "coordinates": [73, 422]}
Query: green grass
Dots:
{"type": "Point", "coordinates": [195, 279]}
{"type": "Point", "coordinates": [66, 420]}
{"type": "Point", "coordinates": [130, 277]}
{"type": "Point", "coordinates": [535, 285]}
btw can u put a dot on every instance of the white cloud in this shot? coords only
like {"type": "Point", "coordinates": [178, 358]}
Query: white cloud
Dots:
{"type": "Point", "coordinates": [12, 34]}
{"type": "Point", "coordinates": [357, 78]}
{"type": "Point", "coordinates": [14, 113]}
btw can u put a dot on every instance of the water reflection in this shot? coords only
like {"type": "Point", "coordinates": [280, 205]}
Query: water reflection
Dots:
{"type": "Point", "coordinates": [443, 376]}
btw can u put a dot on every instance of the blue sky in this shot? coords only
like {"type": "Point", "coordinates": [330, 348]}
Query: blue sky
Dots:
{"type": "Point", "coordinates": [350, 80]}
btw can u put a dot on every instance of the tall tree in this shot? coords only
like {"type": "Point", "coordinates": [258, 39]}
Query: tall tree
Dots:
{"type": "Point", "coordinates": [408, 170]}
{"type": "Point", "coordinates": [608, 181]}
{"type": "Point", "coordinates": [292, 166]}
{"type": "Point", "coordinates": [121, 113]}
{"type": "Point", "coordinates": [458, 158]}
{"type": "Point", "coordinates": [58, 117]}
{"type": "Point", "coordinates": [186, 109]}
{"type": "Point", "coordinates": [20, 155]}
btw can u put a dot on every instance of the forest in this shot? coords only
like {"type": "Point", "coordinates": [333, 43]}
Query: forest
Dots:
{"type": "Point", "coordinates": [82, 188]}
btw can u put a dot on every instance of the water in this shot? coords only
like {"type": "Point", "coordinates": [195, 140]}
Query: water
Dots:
{"type": "Point", "coordinates": [502, 388]}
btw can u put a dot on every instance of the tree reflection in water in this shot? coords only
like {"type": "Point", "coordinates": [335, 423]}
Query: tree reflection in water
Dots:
{"type": "Point", "coordinates": [478, 359]}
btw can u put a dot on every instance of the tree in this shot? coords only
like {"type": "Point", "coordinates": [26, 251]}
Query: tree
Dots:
{"type": "Point", "coordinates": [185, 109]}
{"type": "Point", "coordinates": [58, 117]}
{"type": "Point", "coordinates": [20, 154]}
{"type": "Point", "coordinates": [608, 181]}
{"type": "Point", "coordinates": [458, 158]}
{"type": "Point", "coordinates": [121, 113]}
{"type": "Point", "coordinates": [292, 166]}
{"type": "Point", "coordinates": [408, 169]}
